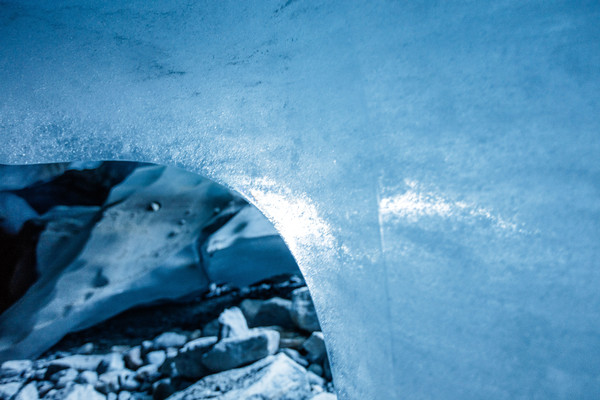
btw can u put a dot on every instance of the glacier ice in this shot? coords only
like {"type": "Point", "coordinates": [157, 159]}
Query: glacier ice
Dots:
{"type": "Point", "coordinates": [433, 167]}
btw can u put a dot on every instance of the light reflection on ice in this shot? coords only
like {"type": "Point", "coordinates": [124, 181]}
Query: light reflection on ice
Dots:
{"type": "Point", "coordinates": [416, 203]}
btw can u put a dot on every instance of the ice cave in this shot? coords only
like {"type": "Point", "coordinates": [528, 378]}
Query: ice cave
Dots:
{"type": "Point", "coordinates": [432, 166]}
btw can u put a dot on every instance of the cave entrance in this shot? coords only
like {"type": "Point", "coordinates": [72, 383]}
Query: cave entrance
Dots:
{"type": "Point", "coordinates": [149, 265]}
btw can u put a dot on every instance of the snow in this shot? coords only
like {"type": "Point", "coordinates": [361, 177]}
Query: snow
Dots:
{"type": "Point", "coordinates": [479, 281]}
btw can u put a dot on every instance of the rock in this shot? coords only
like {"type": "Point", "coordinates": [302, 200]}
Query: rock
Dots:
{"type": "Point", "coordinates": [213, 328]}
{"type": "Point", "coordinates": [162, 389]}
{"type": "Point", "coordinates": [112, 396]}
{"type": "Point", "coordinates": [237, 351]}
{"type": "Point", "coordinates": [316, 369]}
{"type": "Point", "coordinates": [303, 311]}
{"type": "Point", "coordinates": [133, 358]}
{"type": "Point", "coordinates": [8, 390]}
{"type": "Point", "coordinates": [64, 377]}
{"type": "Point", "coordinates": [14, 212]}
{"type": "Point", "coordinates": [293, 342]}
{"type": "Point", "coordinates": [83, 362]}
{"type": "Point", "coordinates": [295, 355]}
{"type": "Point", "coordinates": [315, 347]}
{"type": "Point", "coordinates": [87, 348]}
{"type": "Point", "coordinates": [75, 392]}
{"type": "Point", "coordinates": [44, 387]}
{"type": "Point", "coordinates": [168, 339]}
{"type": "Point", "coordinates": [129, 382]}
{"type": "Point", "coordinates": [232, 323]}
{"type": "Point", "coordinates": [89, 377]}
{"type": "Point", "coordinates": [111, 362]}
{"type": "Point", "coordinates": [325, 396]}
{"type": "Point", "coordinates": [29, 392]}
{"type": "Point", "coordinates": [124, 395]}
{"type": "Point", "coordinates": [188, 362]}
{"type": "Point", "coordinates": [156, 357]}
{"type": "Point", "coordinates": [114, 381]}
{"type": "Point", "coordinates": [148, 373]}
{"type": "Point", "coordinates": [250, 308]}
{"type": "Point", "coordinates": [272, 378]}
{"type": "Point", "coordinates": [315, 380]}
{"type": "Point", "coordinates": [275, 311]}
{"type": "Point", "coordinates": [14, 368]}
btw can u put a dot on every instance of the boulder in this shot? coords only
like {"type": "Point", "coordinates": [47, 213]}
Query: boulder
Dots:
{"type": "Point", "coordinates": [188, 362]}
{"type": "Point", "coordinates": [237, 351]}
{"type": "Point", "coordinates": [29, 392]}
{"type": "Point", "coordinates": [14, 368]}
{"type": "Point", "coordinates": [250, 308]}
{"type": "Point", "coordinates": [169, 339]}
{"type": "Point", "coordinates": [272, 378]}
{"type": "Point", "coordinates": [133, 358]}
{"type": "Point", "coordinates": [8, 390]}
{"type": "Point", "coordinates": [232, 323]}
{"type": "Point", "coordinates": [315, 347]}
{"type": "Point", "coordinates": [303, 311]}
{"type": "Point", "coordinates": [75, 392]}
{"type": "Point", "coordinates": [275, 311]}
{"type": "Point", "coordinates": [156, 357]}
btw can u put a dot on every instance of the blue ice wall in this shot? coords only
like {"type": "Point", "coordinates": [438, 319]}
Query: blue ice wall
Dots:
{"type": "Point", "coordinates": [434, 167]}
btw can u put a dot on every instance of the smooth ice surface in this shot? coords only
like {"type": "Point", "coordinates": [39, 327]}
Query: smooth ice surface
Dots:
{"type": "Point", "coordinates": [433, 167]}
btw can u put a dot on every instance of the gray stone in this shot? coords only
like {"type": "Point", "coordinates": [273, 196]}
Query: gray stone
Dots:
{"type": "Point", "coordinates": [303, 311]}
{"type": "Point", "coordinates": [64, 377]}
{"type": "Point", "coordinates": [275, 311]}
{"type": "Point", "coordinates": [296, 356]}
{"type": "Point", "coordinates": [232, 323]}
{"type": "Point", "coordinates": [124, 395]}
{"type": "Point", "coordinates": [133, 358]}
{"type": "Point", "coordinates": [316, 369]}
{"type": "Point", "coordinates": [237, 351]}
{"type": "Point", "coordinates": [148, 373]}
{"type": "Point", "coordinates": [44, 387]}
{"type": "Point", "coordinates": [80, 362]}
{"type": "Point", "coordinates": [75, 392]}
{"type": "Point", "coordinates": [14, 368]}
{"type": "Point", "coordinates": [90, 377]}
{"type": "Point", "coordinates": [87, 348]}
{"type": "Point", "coordinates": [162, 389]}
{"type": "Point", "coordinates": [169, 339]}
{"type": "Point", "coordinates": [111, 362]}
{"type": "Point", "coordinates": [8, 390]}
{"type": "Point", "coordinates": [156, 357]}
{"type": "Point", "coordinates": [112, 396]}
{"type": "Point", "coordinates": [212, 328]}
{"type": "Point", "coordinates": [111, 381]}
{"type": "Point", "coordinates": [250, 308]}
{"type": "Point", "coordinates": [315, 380]}
{"type": "Point", "coordinates": [315, 347]}
{"type": "Point", "coordinates": [29, 392]}
{"type": "Point", "coordinates": [272, 378]}
{"type": "Point", "coordinates": [188, 362]}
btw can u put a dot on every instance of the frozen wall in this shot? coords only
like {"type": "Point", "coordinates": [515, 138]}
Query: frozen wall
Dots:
{"type": "Point", "coordinates": [433, 167]}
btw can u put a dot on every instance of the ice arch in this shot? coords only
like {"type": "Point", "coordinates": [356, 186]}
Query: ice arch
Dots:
{"type": "Point", "coordinates": [432, 166]}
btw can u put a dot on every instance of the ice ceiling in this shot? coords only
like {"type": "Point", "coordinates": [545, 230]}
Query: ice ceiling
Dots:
{"type": "Point", "coordinates": [433, 167]}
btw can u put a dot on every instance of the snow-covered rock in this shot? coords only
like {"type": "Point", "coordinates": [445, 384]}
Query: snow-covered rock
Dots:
{"type": "Point", "coordinates": [8, 390]}
{"type": "Point", "coordinates": [232, 323]}
{"type": "Point", "coordinates": [28, 392]}
{"type": "Point", "coordinates": [272, 378]}
{"type": "Point", "coordinates": [13, 368]}
{"type": "Point", "coordinates": [169, 339]}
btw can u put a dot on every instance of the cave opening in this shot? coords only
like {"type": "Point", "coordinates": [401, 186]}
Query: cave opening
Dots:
{"type": "Point", "coordinates": [135, 280]}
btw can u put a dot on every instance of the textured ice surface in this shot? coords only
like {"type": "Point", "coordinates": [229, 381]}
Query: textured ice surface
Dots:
{"type": "Point", "coordinates": [433, 168]}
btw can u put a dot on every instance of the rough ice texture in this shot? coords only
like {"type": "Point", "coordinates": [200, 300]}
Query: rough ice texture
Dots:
{"type": "Point", "coordinates": [433, 167]}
